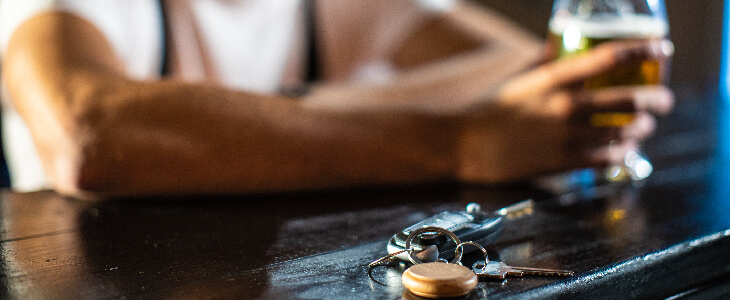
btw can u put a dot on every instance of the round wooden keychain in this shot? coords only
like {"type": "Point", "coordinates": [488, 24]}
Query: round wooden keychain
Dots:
{"type": "Point", "coordinates": [434, 279]}
{"type": "Point", "coordinates": [439, 279]}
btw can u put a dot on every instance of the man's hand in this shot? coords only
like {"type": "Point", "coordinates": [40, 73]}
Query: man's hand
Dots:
{"type": "Point", "coordinates": [539, 122]}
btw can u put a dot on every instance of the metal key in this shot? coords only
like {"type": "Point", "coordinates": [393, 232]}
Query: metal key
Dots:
{"type": "Point", "coordinates": [499, 270]}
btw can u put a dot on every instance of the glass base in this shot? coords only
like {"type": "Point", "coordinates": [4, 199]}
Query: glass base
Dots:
{"type": "Point", "coordinates": [635, 170]}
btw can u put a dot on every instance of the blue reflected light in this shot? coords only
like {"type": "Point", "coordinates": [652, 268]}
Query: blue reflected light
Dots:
{"type": "Point", "coordinates": [724, 85]}
{"type": "Point", "coordinates": [721, 184]}
{"type": "Point", "coordinates": [724, 105]}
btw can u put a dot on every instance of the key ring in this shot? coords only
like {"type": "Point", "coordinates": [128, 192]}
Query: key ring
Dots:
{"type": "Point", "coordinates": [432, 229]}
{"type": "Point", "coordinates": [459, 252]}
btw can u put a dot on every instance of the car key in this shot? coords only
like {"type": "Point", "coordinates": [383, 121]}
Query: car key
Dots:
{"type": "Point", "coordinates": [472, 224]}
{"type": "Point", "coordinates": [497, 270]}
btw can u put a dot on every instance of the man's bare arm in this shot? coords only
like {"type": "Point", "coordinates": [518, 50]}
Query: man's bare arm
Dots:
{"type": "Point", "coordinates": [98, 131]}
{"type": "Point", "coordinates": [447, 62]}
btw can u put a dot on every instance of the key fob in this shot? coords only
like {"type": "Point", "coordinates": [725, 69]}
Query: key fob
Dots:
{"type": "Point", "coordinates": [471, 224]}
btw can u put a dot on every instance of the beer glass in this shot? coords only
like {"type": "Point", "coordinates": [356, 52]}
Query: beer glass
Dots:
{"type": "Point", "coordinates": [576, 26]}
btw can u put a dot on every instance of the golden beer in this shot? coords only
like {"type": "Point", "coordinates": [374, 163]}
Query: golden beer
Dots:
{"type": "Point", "coordinates": [570, 36]}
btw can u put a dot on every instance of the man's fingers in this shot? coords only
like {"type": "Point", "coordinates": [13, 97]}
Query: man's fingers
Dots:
{"type": "Point", "coordinates": [607, 155]}
{"type": "Point", "coordinates": [586, 136]}
{"type": "Point", "coordinates": [602, 59]}
{"type": "Point", "coordinates": [643, 126]}
{"type": "Point", "coordinates": [604, 146]}
{"type": "Point", "coordinates": [591, 104]}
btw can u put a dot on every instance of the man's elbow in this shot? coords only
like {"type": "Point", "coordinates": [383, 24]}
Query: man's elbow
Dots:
{"type": "Point", "coordinates": [81, 172]}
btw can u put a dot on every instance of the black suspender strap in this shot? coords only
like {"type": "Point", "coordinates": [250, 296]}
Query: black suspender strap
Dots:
{"type": "Point", "coordinates": [165, 64]}
{"type": "Point", "coordinates": [313, 54]}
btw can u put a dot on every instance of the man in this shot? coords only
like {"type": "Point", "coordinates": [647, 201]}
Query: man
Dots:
{"type": "Point", "coordinates": [409, 91]}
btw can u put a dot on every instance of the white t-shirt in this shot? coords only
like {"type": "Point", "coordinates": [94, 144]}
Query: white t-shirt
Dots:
{"type": "Point", "coordinates": [251, 57]}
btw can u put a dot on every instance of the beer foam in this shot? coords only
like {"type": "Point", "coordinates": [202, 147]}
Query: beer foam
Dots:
{"type": "Point", "coordinates": [624, 26]}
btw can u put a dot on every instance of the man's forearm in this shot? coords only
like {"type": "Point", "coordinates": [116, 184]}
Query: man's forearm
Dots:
{"type": "Point", "coordinates": [100, 132]}
{"type": "Point", "coordinates": [174, 137]}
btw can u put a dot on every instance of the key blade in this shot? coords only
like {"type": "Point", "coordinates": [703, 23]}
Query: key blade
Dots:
{"type": "Point", "coordinates": [517, 210]}
{"type": "Point", "coordinates": [498, 270]}
{"type": "Point", "coordinates": [524, 271]}
{"type": "Point", "coordinates": [540, 273]}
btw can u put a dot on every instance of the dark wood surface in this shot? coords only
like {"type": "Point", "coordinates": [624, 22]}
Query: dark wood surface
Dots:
{"type": "Point", "coordinates": [667, 237]}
